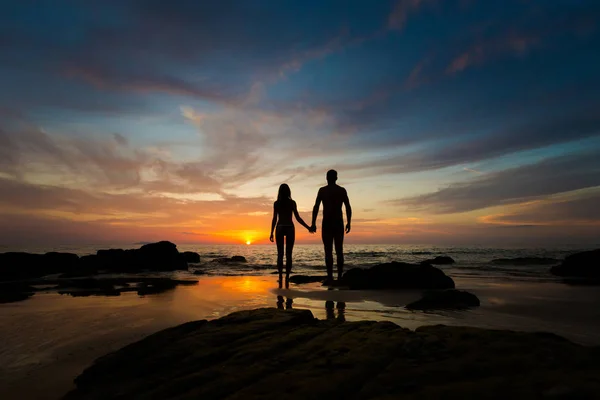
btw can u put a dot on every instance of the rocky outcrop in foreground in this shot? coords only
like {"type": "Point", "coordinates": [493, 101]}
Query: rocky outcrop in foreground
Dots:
{"type": "Point", "coordinates": [580, 265]}
{"type": "Point", "coordinates": [397, 275]}
{"type": "Point", "coordinates": [273, 354]}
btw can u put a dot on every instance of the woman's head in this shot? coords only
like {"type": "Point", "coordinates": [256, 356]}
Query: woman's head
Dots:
{"type": "Point", "coordinates": [284, 192]}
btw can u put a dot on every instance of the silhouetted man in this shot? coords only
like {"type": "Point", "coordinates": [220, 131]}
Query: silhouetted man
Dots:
{"type": "Point", "coordinates": [332, 229]}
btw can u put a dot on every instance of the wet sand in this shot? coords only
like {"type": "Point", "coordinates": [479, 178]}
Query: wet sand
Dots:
{"type": "Point", "coordinates": [48, 340]}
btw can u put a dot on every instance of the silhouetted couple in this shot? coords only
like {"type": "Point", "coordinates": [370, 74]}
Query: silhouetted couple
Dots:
{"type": "Point", "coordinates": [332, 229]}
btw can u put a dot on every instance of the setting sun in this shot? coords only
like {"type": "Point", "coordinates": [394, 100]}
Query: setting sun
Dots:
{"type": "Point", "coordinates": [248, 242]}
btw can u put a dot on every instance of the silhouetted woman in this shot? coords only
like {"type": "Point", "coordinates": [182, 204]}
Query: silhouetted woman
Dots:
{"type": "Point", "coordinates": [283, 209]}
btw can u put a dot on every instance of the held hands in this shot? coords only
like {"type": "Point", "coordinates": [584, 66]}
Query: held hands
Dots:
{"type": "Point", "coordinates": [347, 228]}
{"type": "Point", "coordinates": [312, 229]}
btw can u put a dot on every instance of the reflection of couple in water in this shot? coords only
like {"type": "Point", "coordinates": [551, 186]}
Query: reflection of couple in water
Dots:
{"type": "Point", "coordinates": [332, 229]}
{"type": "Point", "coordinates": [330, 307]}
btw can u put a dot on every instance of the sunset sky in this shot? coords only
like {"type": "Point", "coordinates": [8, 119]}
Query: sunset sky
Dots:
{"type": "Point", "coordinates": [449, 121]}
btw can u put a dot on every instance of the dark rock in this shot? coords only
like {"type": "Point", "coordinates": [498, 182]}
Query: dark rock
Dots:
{"type": "Point", "coordinates": [199, 272]}
{"type": "Point", "coordinates": [191, 257]}
{"type": "Point", "coordinates": [302, 279]}
{"type": "Point", "coordinates": [12, 297]}
{"type": "Point", "coordinates": [445, 299]}
{"type": "Point", "coordinates": [582, 265]}
{"type": "Point", "coordinates": [441, 260]}
{"type": "Point", "coordinates": [80, 272]}
{"type": "Point", "coordinates": [86, 266]}
{"type": "Point", "coordinates": [116, 286]}
{"type": "Point", "coordinates": [162, 256]}
{"type": "Point", "coordinates": [227, 260]}
{"type": "Point", "coordinates": [270, 353]}
{"type": "Point", "coordinates": [11, 292]}
{"type": "Point", "coordinates": [61, 261]}
{"type": "Point", "coordinates": [15, 265]}
{"type": "Point", "coordinates": [90, 292]}
{"type": "Point", "coordinates": [576, 281]}
{"type": "Point", "coordinates": [146, 288]}
{"type": "Point", "coordinates": [25, 265]}
{"type": "Point", "coordinates": [397, 275]}
{"type": "Point", "coordinates": [89, 262]}
{"type": "Point", "coordinates": [525, 261]}
{"type": "Point", "coordinates": [88, 287]}
{"type": "Point", "coordinates": [89, 283]}
{"type": "Point", "coordinates": [160, 285]}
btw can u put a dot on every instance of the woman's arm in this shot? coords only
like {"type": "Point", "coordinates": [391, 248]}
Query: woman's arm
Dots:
{"type": "Point", "coordinates": [299, 219]}
{"type": "Point", "coordinates": [274, 221]}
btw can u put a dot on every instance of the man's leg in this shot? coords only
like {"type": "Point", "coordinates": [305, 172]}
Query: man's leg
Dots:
{"type": "Point", "coordinates": [327, 237]}
{"type": "Point", "coordinates": [338, 239]}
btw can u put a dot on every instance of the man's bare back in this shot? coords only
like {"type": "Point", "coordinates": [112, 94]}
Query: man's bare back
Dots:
{"type": "Point", "coordinates": [332, 196]}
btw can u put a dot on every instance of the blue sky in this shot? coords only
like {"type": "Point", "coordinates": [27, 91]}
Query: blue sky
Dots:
{"type": "Point", "coordinates": [449, 121]}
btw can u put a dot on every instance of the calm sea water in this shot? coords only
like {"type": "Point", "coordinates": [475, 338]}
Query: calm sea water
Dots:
{"type": "Point", "coordinates": [309, 259]}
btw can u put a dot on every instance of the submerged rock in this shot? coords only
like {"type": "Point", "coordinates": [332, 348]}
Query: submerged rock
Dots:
{"type": "Point", "coordinates": [227, 260]}
{"type": "Point", "coordinates": [445, 299]}
{"type": "Point", "coordinates": [302, 279]}
{"type": "Point", "coordinates": [525, 261]}
{"type": "Point", "coordinates": [397, 275]}
{"type": "Point", "coordinates": [191, 257]}
{"type": "Point", "coordinates": [270, 354]}
{"type": "Point", "coordinates": [13, 297]}
{"type": "Point", "coordinates": [115, 286]}
{"type": "Point", "coordinates": [441, 260]}
{"type": "Point", "coordinates": [581, 265]}
{"type": "Point", "coordinates": [11, 292]}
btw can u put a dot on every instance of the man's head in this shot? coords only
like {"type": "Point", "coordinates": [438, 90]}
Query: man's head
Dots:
{"type": "Point", "coordinates": [331, 176]}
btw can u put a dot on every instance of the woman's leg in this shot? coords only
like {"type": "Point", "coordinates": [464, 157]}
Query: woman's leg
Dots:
{"type": "Point", "coordinates": [279, 235]}
{"type": "Point", "coordinates": [289, 249]}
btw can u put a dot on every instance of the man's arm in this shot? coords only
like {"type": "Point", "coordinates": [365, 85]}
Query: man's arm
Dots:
{"type": "Point", "coordinates": [348, 211]}
{"type": "Point", "coordinates": [316, 210]}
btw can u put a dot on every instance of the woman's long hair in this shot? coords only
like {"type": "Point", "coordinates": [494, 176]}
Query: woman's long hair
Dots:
{"type": "Point", "coordinates": [284, 193]}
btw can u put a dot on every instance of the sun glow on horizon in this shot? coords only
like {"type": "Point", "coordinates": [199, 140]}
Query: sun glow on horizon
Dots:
{"type": "Point", "coordinates": [248, 242]}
